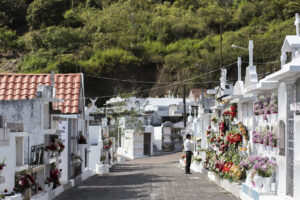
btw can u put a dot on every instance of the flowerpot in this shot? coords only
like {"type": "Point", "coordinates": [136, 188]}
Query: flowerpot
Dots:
{"type": "Point", "coordinates": [268, 148]}
{"type": "Point", "coordinates": [261, 148]}
{"type": "Point", "coordinates": [47, 188]}
{"type": "Point", "coordinates": [256, 118]}
{"type": "Point", "coordinates": [27, 194]}
{"type": "Point", "coordinates": [258, 181]}
{"type": "Point", "coordinates": [102, 169]}
{"type": "Point", "coordinates": [266, 182]}
{"type": "Point", "coordinates": [248, 177]}
{"type": "Point", "coordinates": [255, 148]}
{"type": "Point", "coordinates": [51, 185]}
{"type": "Point", "coordinates": [197, 162]}
{"type": "Point", "coordinates": [274, 151]}
{"type": "Point", "coordinates": [48, 154]}
{"type": "Point", "coordinates": [269, 118]}
{"type": "Point", "coordinates": [275, 117]}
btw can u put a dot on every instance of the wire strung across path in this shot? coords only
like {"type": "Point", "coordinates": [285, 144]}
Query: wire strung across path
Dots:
{"type": "Point", "coordinates": [156, 88]}
{"type": "Point", "coordinates": [172, 84]}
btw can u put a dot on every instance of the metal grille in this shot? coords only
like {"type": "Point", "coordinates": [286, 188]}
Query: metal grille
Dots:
{"type": "Point", "coordinates": [290, 141]}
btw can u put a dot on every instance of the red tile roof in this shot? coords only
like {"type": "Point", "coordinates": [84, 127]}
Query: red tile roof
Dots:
{"type": "Point", "coordinates": [24, 86]}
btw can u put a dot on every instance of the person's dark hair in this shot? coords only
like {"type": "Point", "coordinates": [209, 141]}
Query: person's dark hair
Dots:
{"type": "Point", "coordinates": [188, 135]}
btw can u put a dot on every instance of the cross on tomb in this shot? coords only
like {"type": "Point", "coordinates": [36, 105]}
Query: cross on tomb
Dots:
{"type": "Point", "coordinates": [297, 22]}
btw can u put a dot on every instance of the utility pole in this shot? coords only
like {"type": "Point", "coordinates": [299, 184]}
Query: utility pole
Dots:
{"type": "Point", "coordinates": [184, 107]}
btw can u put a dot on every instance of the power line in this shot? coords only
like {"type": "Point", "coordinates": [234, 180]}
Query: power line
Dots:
{"type": "Point", "coordinates": [172, 84]}
{"type": "Point", "coordinates": [123, 80]}
{"type": "Point", "coordinates": [151, 82]}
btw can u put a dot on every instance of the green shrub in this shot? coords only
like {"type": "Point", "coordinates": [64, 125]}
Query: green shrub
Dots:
{"type": "Point", "coordinates": [7, 39]}
{"type": "Point", "coordinates": [46, 12]}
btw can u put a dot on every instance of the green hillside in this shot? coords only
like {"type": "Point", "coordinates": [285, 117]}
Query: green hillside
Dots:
{"type": "Point", "coordinates": [149, 40]}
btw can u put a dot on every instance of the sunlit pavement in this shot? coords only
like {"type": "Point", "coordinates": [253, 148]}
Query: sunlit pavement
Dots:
{"type": "Point", "coordinates": [148, 178]}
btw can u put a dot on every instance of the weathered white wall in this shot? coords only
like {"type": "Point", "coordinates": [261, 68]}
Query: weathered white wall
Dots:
{"type": "Point", "coordinates": [94, 132]}
{"type": "Point", "coordinates": [282, 115]}
{"type": "Point", "coordinates": [297, 157]}
{"type": "Point", "coordinates": [8, 152]}
{"type": "Point", "coordinates": [28, 112]}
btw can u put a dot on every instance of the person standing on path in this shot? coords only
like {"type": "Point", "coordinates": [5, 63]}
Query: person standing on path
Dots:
{"type": "Point", "coordinates": [188, 148]}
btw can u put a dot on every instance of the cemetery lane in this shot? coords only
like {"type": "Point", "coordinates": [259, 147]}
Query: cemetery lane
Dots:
{"type": "Point", "coordinates": [158, 177]}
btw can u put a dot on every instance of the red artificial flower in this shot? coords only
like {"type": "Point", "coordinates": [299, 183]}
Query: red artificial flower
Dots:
{"type": "Point", "coordinates": [5, 191]}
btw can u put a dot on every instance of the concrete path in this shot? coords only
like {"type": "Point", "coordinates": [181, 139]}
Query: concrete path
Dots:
{"type": "Point", "coordinates": [148, 178]}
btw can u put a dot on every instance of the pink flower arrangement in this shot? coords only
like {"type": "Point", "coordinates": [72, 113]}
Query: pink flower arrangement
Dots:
{"type": "Point", "coordinates": [23, 181]}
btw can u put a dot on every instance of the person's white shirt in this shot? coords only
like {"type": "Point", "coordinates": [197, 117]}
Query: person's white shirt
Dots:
{"type": "Point", "coordinates": [188, 145]}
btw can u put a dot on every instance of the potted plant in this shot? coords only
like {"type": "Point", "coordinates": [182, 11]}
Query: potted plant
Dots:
{"type": "Point", "coordinates": [197, 160]}
{"type": "Point", "coordinates": [76, 157]}
{"type": "Point", "coordinates": [23, 183]}
{"type": "Point", "coordinates": [265, 169]}
{"type": "Point", "coordinates": [102, 168]}
{"type": "Point", "coordinates": [2, 165]}
{"type": "Point", "coordinates": [102, 158]}
{"type": "Point", "coordinates": [55, 175]}
{"type": "Point", "coordinates": [48, 184]}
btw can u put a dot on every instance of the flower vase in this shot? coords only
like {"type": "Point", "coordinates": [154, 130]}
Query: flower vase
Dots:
{"type": "Point", "coordinates": [275, 117]}
{"type": "Point", "coordinates": [1, 172]}
{"type": "Point", "coordinates": [51, 185]}
{"type": "Point", "coordinates": [27, 194]}
{"type": "Point", "coordinates": [266, 185]}
{"type": "Point", "coordinates": [261, 148]}
{"type": "Point", "coordinates": [47, 188]}
{"type": "Point", "coordinates": [274, 151]}
{"type": "Point", "coordinates": [258, 181]}
{"type": "Point", "coordinates": [269, 118]}
{"type": "Point", "coordinates": [197, 163]}
{"type": "Point", "coordinates": [248, 177]}
{"type": "Point", "coordinates": [268, 148]}
{"type": "Point", "coordinates": [48, 154]}
{"type": "Point", "coordinates": [257, 118]}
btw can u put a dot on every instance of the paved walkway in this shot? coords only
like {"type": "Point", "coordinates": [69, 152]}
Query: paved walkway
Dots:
{"type": "Point", "coordinates": [148, 178]}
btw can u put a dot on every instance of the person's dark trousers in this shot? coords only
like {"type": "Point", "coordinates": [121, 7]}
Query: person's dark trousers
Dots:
{"type": "Point", "coordinates": [188, 156]}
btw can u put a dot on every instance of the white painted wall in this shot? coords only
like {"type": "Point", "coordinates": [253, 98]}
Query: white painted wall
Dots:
{"type": "Point", "coordinates": [282, 115]}
{"type": "Point", "coordinates": [95, 148]}
{"type": "Point", "coordinates": [94, 132]}
{"type": "Point", "coordinates": [158, 137]}
{"type": "Point", "coordinates": [297, 157]}
{"type": "Point", "coordinates": [8, 152]}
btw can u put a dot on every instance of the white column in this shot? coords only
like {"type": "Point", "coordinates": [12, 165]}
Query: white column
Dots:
{"type": "Point", "coordinates": [250, 52]}
{"type": "Point", "coordinates": [239, 68]}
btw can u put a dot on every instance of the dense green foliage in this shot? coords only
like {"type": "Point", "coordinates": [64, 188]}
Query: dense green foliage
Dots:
{"type": "Point", "coordinates": [169, 40]}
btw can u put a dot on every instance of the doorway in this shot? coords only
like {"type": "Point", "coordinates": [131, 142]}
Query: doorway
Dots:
{"type": "Point", "coordinates": [147, 144]}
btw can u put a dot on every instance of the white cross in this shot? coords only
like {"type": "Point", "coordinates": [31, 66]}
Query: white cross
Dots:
{"type": "Point", "coordinates": [297, 22]}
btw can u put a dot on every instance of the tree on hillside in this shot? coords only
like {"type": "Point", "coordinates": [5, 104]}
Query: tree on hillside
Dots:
{"type": "Point", "coordinates": [46, 12]}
